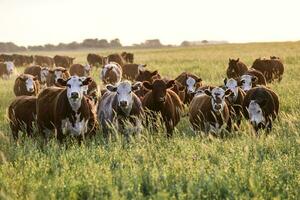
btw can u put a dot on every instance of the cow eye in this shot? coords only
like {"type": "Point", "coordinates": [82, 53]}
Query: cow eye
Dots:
{"type": "Point", "coordinates": [129, 92]}
{"type": "Point", "coordinates": [81, 85]}
{"type": "Point", "coordinates": [68, 85]}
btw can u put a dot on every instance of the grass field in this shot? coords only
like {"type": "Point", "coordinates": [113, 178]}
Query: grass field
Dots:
{"type": "Point", "coordinates": [187, 166]}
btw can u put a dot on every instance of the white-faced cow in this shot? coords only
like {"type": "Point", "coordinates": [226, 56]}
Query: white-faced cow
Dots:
{"type": "Point", "coordinates": [38, 71]}
{"type": "Point", "coordinates": [111, 73]}
{"type": "Point", "coordinates": [26, 84]}
{"type": "Point", "coordinates": [6, 69]}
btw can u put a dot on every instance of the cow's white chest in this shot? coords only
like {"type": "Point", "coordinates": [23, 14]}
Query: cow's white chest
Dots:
{"type": "Point", "coordinates": [79, 127]}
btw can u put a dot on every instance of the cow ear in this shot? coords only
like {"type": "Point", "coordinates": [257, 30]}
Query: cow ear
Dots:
{"type": "Point", "coordinates": [136, 86]}
{"type": "Point", "coordinates": [237, 60]}
{"type": "Point", "coordinates": [87, 81]}
{"type": "Point", "coordinates": [65, 70]}
{"type": "Point", "coordinates": [225, 81]}
{"type": "Point", "coordinates": [228, 92]}
{"type": "Point", "coordinates": [22, 77]}
{"type": "Point", "coordinates": [51, 71]}
{"type": "Point", "coordinates": [170, 83]}
{"type": "Point", "coordinates": [254, 79]}
{"type": "Point", "coordinates": [199, 80]}
{"type": "Point", "coordinates": [111, 88]}
{"type": "Point", "coordinates": [35, 78]}
{"type": "Point", "coordinates": [207, 92]}
{"type": "Point", "coordinates": [154, 73]}
{"type": "Point", "coordinates": [62, 82]}
{"type": "Point", "coordinates": [147, 85]}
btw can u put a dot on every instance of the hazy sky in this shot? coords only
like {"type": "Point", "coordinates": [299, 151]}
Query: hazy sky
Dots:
{"type": "Point", "coordinates": [32, 22]}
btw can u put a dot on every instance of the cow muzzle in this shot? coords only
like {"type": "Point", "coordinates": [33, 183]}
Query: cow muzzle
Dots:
{"type": "Point", "coordinates": [123, 104]}
{"type": "Point", "coordinates": [74, 95]}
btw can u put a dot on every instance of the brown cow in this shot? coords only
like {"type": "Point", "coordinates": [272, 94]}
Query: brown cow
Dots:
{"type": "Point", "coordinates": [208, 112]}
{"type": "Point", "coordinates": [111, 73]}
{"type": "Point", "coordinates": [160, 99]}
{"type": "Point", "coordinates": [128, 57]}
{"type": "Point", "coordinates": [95, 60]}
{"type": "Point", "coordinates": [118, 105]}
{"type": "Point", "coordinates": [271, 68]}
{"type": "Point", "coordinates": [6, 57]}
{"type": "Point", "coordinates": [19, 60]}
{"type": "Point", "coordinates": [236, 68]}
{"type": "Point", "coordinates": [44, 61]}
{"type": "Point", "coordinates": [63, 61]}
{"type": "Point", "coordinates": [91, 90]}
{"type": "Point", "coordinates": [131, 71]}
{"type": "Point", "coordinates": [261, 107]}
{"type": "Point", "coordinates": [26, 84]}
{"type": "Point", "coordinates": [117, 58]}
{"type": "Point", "coordinates": [148, 76]}
{"type": "Point", "coordinates": [55, 74]}
{"type": "Point", "coordinates": [22, 115]}
{"type": "Point", "coordinates": [65, 109]}
{"type": "Point", "coordinates": [38, 71]}
{"type": "Point", "coordinates": [80, 70]}
{"type": "Point", "coordinates": [6, 69]}
{"type": "Point", "coordinates": [191, 82]}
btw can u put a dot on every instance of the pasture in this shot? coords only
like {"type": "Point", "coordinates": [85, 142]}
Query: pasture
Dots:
{"type": "Point", "coordinates": [186, 166]}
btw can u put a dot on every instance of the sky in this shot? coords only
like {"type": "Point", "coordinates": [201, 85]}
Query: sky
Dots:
{"type": "Point", "coordinates": [35, 22]}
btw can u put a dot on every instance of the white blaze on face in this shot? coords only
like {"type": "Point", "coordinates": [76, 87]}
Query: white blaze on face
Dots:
{"type": "Point", "coordinates": [124, 95]}
{"type": "Point", "coordinates": [218, 99]}
{"type": "Point", "coordinates": [9, 67]}
{"type": "Point", "coordinates": [75, 91]}
{"type": "Point", "coordinates": [233, 86]}
{"type": "Point", "coordinates": [190, 84]}
{"type": "Point", "coordinates": [58, 74]}
{"type": "Point", "coordinates": [44, 74]}
{"type": "Point", "coordinates": [29, 85]}
{"type": "Point", "coordinates": [79, 127]}
{"type": "Point", "coordinates": [246, 81]}
{"type": "Point", "coordinates": [255, 113]}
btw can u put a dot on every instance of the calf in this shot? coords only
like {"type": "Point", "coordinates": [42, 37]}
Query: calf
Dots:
{"type": "Point", "coordinates": [131, 71]}
{"type": "Point", "coordinates": [128, 57]}
{"type": "Point", "coordinates": [63, 61]}
{"type": "Point", "coordinates": [80, 70]}
{"type": "Point", "coordinates": [6, 69]}
{"type": "Point", "coordinates": [160, 99]}
{"type": "Point", "coordinates": [209, 111]}
{"type": "Point", "coordinates": [118, 105]}
{"type": "Point", "coordinates": [191, 83]}
{"type": "Point", "coordinates": [271, 68]}
{"type": "Point", "coordinates": [147, 75]}
{"type": "Point", "coordinates": [261, 107]}
{"type": "Point", "coordinates": [111, 73]}
{"type": "Point", "coordinates": [22, 115]}
{"type": "Point", "coordinates": [236, 68]}
{"type": "Point", "coordinates": [26, 84]}
{"type": "Point", "coordinates": [65, 109]}
{"type": "Point", "coordinates": [235, 100]}
{"type": "Point", "coordinates": [55, 74]}
{"type": "Point", "coordinates": [44, 61]}
{"type": "Point", "coordinates": [40, 72]}
{"type": "Point", "coordinates": [94, 60]}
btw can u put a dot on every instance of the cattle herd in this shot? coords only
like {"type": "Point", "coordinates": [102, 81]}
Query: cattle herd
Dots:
{"type": "Point", "coordinates": [61, 99]}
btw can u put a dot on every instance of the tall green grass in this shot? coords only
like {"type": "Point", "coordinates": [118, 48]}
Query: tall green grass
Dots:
{"type": "Point", "coordinates": [187, 166]}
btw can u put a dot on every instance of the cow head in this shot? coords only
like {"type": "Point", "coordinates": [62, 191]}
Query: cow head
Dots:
{"type": "Point", "coordinates": [44, 74]}
{"type": "Point", "coordinates": [232, 85]}
{"type": "Point", "coordinates": [109, 73]}
{"type": "Point", "coordinates": [232, 71]}
{"type": "Point", "coordinates": [256, 115]}
{"type": "Point", "coordinates": [9, 67]}
{"type": "Point", "coordinates": [247, 82]}
{"type": "Point", "coordinates": [159, 89]}
{"type": "Point", "coordinates": [218, 98]}
{"type": "Point", "coordinates": [58, 73]}
{"type": "Point", "coordinates": [146, 75]}
{"type": "Point", "coordinates": [192, 84]}
{"type": "Point", "coordinates": [124, 94]}
{"type": "Point", "coordinates": [75, 89]}
{"type": "Point", "coordinates": [29, 82]}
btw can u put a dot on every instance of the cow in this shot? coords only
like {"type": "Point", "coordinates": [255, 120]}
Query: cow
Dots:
{"type": "Point", "coordinates": [26, 84]}
{"type": "Point", "coordinates": [28, 60]}
{"type": "Point", "coordinates": [6, 69]}
{"type": "Point", "coordinates": [160, 99]}
{"type": "Point", "coordinates": [236, 68]}
{"type": "Point", "coordinates": [117, 58]}
{"type": "Point", "coordinates": [95, 60]}
{"type": "Point", "coordinates": [191, 82]}
{"type": "Point", "coordinates": [208, 111]}
{"type": "Point", "coordinates": [261, 80]}
{"type": "Point", "coordinates": [22, 115]}
{"type": "Point", "coordinates": [271, 68]}
{"type": "Point", "coordinates": [40, 72]}
{"type": "Point", "coordinates": [128, 57]}
{"type": "Point", "coordinates": [65, 110]}
{"type": "Point", "coordinates": [118, 106]}
{"type": "Point", "coordinates": [6, 57]}
{"type": "Point", "coordinates": [19, 60]}
{"type": "Point", "coordinates": [55, 74]}
{"type": "Point", "coordinates": [261, 107]}
{"type": "Point", "coordinates": [131, 71]}
{"type": "Point", "coordinates": [111, 73]}
{"type": "Point", "coordinates": [147, 75]}
{"type": "Point", "coordinates": [235, 100]}
{"type": "Point", "coordinates": [63, 61]}
{"type": "Point", "coordinates": [44, 61]}
{"type": "Point", "coordinates": [80, 70]}
{"type": "Point", "coordinates": [246, 82]}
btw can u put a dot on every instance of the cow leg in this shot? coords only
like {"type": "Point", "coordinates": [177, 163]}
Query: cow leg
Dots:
{"type": "Point", "coordinates": [60, 135]}
{"type": "Point", "coordinates": [170, 127]}
{"type": "Point", "coordinates": [15, 131]}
